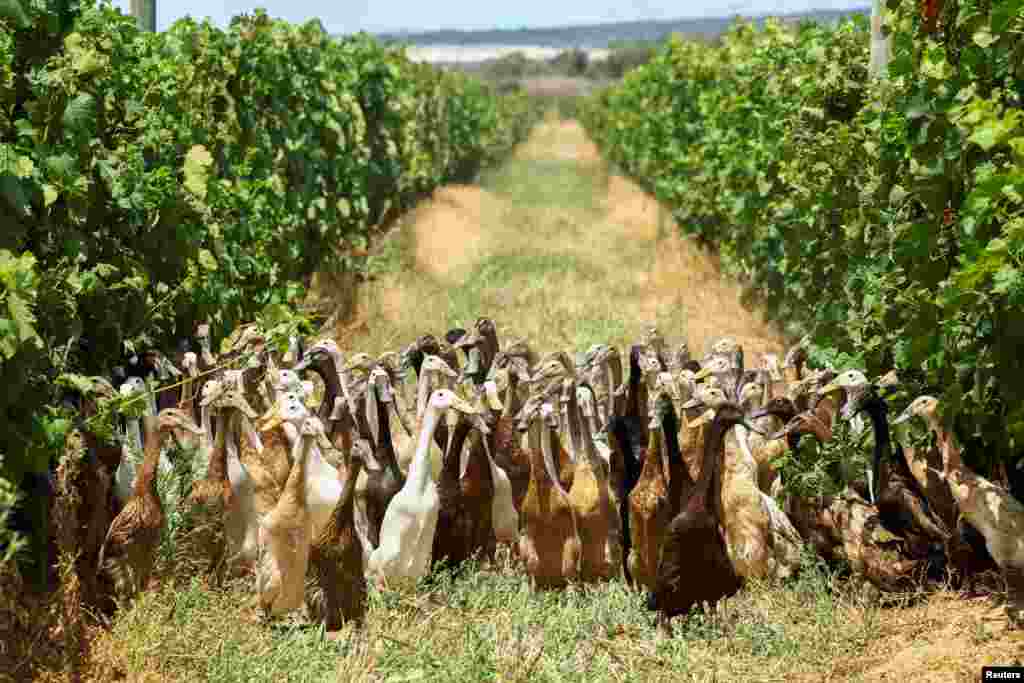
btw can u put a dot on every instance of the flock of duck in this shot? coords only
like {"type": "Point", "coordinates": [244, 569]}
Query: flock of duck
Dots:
{"type": "Point", "coordinates": [653, 467]}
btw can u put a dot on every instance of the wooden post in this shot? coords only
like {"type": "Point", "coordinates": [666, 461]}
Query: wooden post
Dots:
{"type": "Point", "coordinates": [144, 12]}
{"type": "Point", "coordinates": [880, 43]}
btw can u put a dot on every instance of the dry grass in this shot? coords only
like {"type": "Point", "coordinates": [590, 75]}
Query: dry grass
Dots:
{"type": "Point", "coordinates": [554, 249]}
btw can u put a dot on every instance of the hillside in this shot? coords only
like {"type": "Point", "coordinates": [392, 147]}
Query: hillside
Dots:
{"type": "Point", "coordinates": [595, 35]}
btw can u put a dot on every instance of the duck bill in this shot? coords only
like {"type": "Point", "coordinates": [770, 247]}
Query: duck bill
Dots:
{"type": "Point", "coordinates": [237, 400]}
{"type": "Point", "coordinates": [829, 388]}
{"type": "Point", "coordinates": [339, 409]}
{"type": "Point", "coordinates": [271, 420]}
{"type": "Point", "coordinates": [903, 417]}
{"type": "Point", "coordinates": [692, 403]}
{"type": "Point", "coordinates": [491, 396]}
{"type": "Point", "coordinates": [702, 373]}
{"type": "Point", "coordinates": [759, 413]}
{"type": "Point", "coordinates": [188, 425]}
{"type": "Point", "coordinates": [750, 427]}
{"type": "Point", "coordinates": [464, 461]}
{"type": "Point", "coordinates": [324, 443]}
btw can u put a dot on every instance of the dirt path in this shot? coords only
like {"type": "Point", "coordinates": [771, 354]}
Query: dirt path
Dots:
{"type": "Point", "coordinates": [555, 249]}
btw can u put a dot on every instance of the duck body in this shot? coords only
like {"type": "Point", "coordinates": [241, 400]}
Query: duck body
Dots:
{"type": "Point", "coordinates": [649, 514]}
{"type": "Point", "coordinates": [465, 518]}
{"type": "Point", "coordinates": [337, 559]}
{"type": "Point", "coordinates": [549, 542]}
{"type": "Point", "coordinates": [286, 533]}
{"type": "Point", "coordinates": [410, 522]}
{"type": "Point", "coordinates": [684, 578]}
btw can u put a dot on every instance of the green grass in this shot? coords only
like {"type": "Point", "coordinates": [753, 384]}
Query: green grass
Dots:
{"type": "Point", "coordinates": [487, 625]}
{"type": "Point", "coordinates": [541, 183]}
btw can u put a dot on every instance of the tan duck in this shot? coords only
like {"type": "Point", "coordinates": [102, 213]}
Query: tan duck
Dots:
{"type": "Point", "coordinates": [337, 557]}
{"type": "Point", "coordinates": [649, 511]}
{"type": "Point", "coordinates": [128, 553]}
{"type": "Point", "coordinates": [549, 542]}
{"type": "Point", "coordinates": [592, 499]}
{"type": "Point", "coordinates": [990, 508]}
{"type": "Point", "coordinates": [286, 533]}
{"type": "Point", "coordinates": [760, 538]}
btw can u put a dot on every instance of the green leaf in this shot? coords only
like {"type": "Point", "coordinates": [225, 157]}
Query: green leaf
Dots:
{"type": "Point", "coordinates": [24, 320]}
{"type": "Point", "coordinates": [207, 260]}
{"type": "Point", "coordinates": [984, 38]}
{"type": "Point", "coordinates": [197, 161]}
{"type": "Point", "coordinates": [24, 168]}
{"type": "Point", "coordinates": [12, 9]}
{"type": "Point", "coordinates": [79, 112]}
{"type": "Point", "coordinates": [49, 195]}
{"type": "Point", "coordinates": [1005, 279]}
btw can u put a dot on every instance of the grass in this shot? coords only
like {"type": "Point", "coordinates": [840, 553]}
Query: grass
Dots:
{"type": "Point", "coordinates": [487, 626]}
{"type": "Point", "coordinates": [557, 249]}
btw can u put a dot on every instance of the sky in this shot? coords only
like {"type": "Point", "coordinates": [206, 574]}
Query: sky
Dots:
{"type": "Point", "coordinates": [349, 16]}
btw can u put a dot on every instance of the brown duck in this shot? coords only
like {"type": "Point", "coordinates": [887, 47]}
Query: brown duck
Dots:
{"type": "Point", "coordinates": [129, 551]}
{"type": "Point", "coordinates": [336, 557]}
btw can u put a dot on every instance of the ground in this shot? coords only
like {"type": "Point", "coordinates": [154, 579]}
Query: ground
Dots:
{"type": "Point", "coordinates": [557, 248]}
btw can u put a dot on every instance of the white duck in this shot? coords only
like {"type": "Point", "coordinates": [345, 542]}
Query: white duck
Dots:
{"type": "Point", "coordinates": [407, 533]}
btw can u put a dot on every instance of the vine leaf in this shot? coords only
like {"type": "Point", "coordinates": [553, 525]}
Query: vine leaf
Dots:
{"type": "Point", "coordinates": [197, 161]}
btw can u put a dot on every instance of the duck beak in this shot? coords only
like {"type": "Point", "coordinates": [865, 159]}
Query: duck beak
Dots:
{"type": "Point", "coordinates": [272, 420]}
{"type": "Point", "coordinates": [237, 400]}
{"type": "Point", "coordinates": [491, 395]}
{"type": "Point", "coordinates": [701, 374]}
{"type": "Point", "coordinates": [323, 442]}
{"type": "Point", "coordinates": [903, 417]}
{"type": "Point", "coordinates": [829, 388]}
{"type": "Point", "coordinates": [693, 403]}
{"type": "Point", "coordinates": [750, 427]}
{"type": "Point", "coordinates": [190, 426]}
{"type": "Point", "coordinates": [338, 411]}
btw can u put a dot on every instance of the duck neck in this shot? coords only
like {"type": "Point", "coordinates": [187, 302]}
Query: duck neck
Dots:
{"type": "Point", "coordinates": [206, 440]}
{"type": "Point", "coordinates": [587, 437]}
{"type": "Point", "coordinates": [145, 483]}
{"type": "Point", "coordinates": [133, 434]}
{"type": "Point", "coordinates": [295, 487]}
{"type": "Point", "coordinates": [679, 475]}
{"type": "Point", "coordinates": [218, 464]}
{"type": "Point", "coordinates": [233, 461]}
{"type": "Point", "coordinates": [947, 446]}
{"type": "Point", "coordinates": [346, 502]}
{"type": "Point", "coordinates": [512, 403]}
{"type": "Point", "coordinates": [878, 411]}
{"type": "Point", "coordinates": [708, 488]}
{"type": "Point", "coordinates": [385, 446]}
{"type": "Point", "coordinates": [654, 467]}
{"type": "Point", "coordinates": [637, 389]}
{"type": "Point", "coordinates": [419, 468]}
